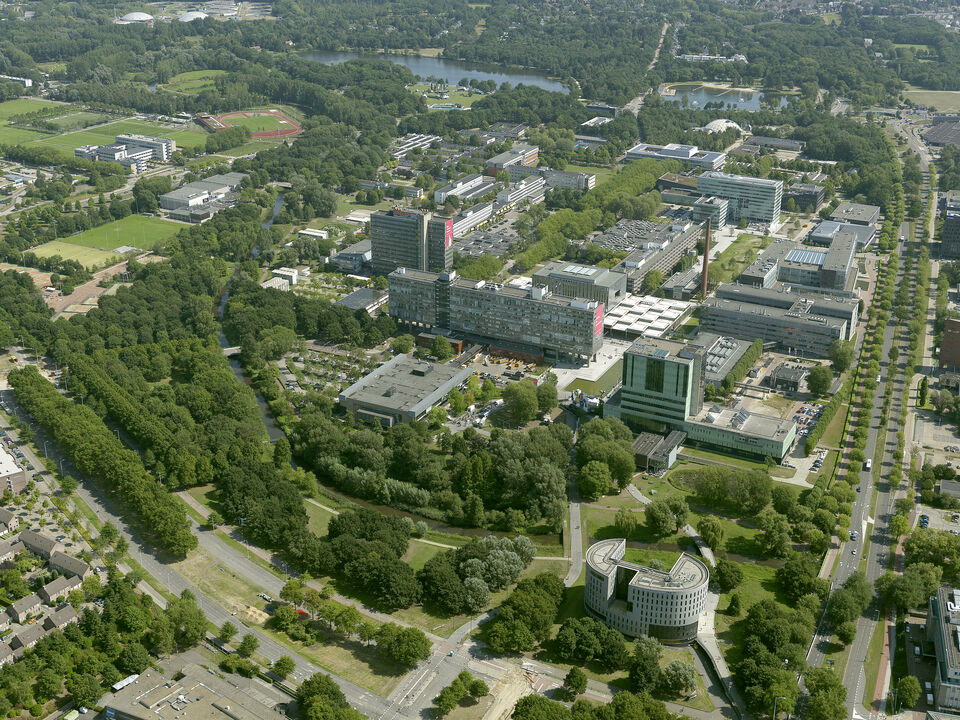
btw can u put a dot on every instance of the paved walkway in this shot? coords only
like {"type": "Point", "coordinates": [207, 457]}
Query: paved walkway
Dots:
{"type": "Point", "coordinates": [707, 639]}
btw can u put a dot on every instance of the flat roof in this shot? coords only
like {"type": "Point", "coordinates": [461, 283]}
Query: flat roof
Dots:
{"type": "Point", "coordinates": [646, 315]}
{"type": "Point", "coordinates": [770, 311]}
{"type": "Point", "coordinates": [948, 612]}
{"type": "Point", "coordinates": [743, 421]}
{"type": "Point", "coordinates": [362, 298]}
{"type": "Point", "coordinates": [855, 212]}
{"type": "Point", "coordinates": [405, 385]}
{"type": "Point", "coordinates": [687, 572]}
{"type": "Point", "coordinates": [8, 464]}
{"type": "Point", "coordinates": [778, 298]}
{"type": "Point", "coordinates": [722, 353]}
{"type": "Point", "coordinates": [741, 179]}
{"type": "Point", "coordinates": [575, 271]}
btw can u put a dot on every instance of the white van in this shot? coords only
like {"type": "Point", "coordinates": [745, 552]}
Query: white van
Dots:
{"type": "Point", "coordinates": [930, 699]}
{"type": "Point", "coordinates": [927, 687]}
{"type": "Point", "coordinates": [869, 463]}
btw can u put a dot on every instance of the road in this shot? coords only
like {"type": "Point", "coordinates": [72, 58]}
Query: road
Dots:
{"type": "Point", "coordinates": [635, 104]}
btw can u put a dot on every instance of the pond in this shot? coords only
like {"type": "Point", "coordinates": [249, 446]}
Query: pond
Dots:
{"type": "Point", "coordinates": [737, 98]}
{"type": "Point", "coordinates": [450, 71]}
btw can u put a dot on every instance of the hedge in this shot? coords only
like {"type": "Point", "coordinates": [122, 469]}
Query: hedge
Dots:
{"type": "Point", "coordinates": [740, 370]}
{"type": "Point", "coordinates": [829, 410]}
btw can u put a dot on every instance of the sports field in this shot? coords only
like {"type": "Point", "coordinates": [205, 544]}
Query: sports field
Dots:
{"type": "Point", "coordinates": [101, 135]}
{"type": "Point", "coordinates": [944, 100]}
{"type": "Point", "coordinates": [10, 135]}
{"type": "Point", "coordinates": [91, 258]}
{"type": "Point", "coordinates": [261, 123]}
{"type": "Point", "coordinates": [195, 81]}
{"type": "Point", "coordinates": [134, 230]}
{"type": "Point", "coordinates": [24, 105]}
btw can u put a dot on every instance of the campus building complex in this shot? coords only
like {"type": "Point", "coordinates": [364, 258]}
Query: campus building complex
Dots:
{"type": "Point", "coordinates": [785, 261]}
{"type": "Point", "coordinates": [748, 198]}
{"type": "Point", "coordinates": [943, 630]}
{"type": "Point", "coordinates": [662, 390]}
{"type": "Point", "coordinates": [689, 155]}
{"type": "Point", "coordinates": [530, 321]}
{"type": "Point", "coordinates": [638, 600]}
{"type": "Point", "coordinates": [652, 246]}
{"type": "Point", "coordinates": [802, 323]}
{"type": "Point", "coordinates": [410, 238]}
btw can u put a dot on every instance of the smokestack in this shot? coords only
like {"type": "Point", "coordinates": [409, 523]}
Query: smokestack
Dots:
{"type": "Point", "coordinates": [706, 264]}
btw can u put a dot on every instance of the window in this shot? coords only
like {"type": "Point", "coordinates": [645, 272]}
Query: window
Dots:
{"type": "Point", "coordinates": [654, 375]}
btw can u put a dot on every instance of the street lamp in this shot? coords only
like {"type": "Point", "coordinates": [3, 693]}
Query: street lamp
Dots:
{"type": "Point", "coordinates": [778, 697]}
{"type": "Point", "coordinates": [45, 448]}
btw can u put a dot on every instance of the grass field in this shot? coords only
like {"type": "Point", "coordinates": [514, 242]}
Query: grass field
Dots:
{"type": "Point", "coordinates": [21, 106]}
{"type": "Point", "coordinates": [775, 471]}
{"type": "Point", "coordinates": [195, 81]}
{"type": "Point", "coordinates": [759, 583]}
{"type": "Point", "coordinates": [601, 385]}
{"type": "Point", "coordinates": [103, 134]}
{"type": "Point", "coordinates": [418, 553]}
{"type": "Point", "coordinates": [91, 258]}
{"type": "Point", "coordinates": [318, 518]}
{"type": "Point", "coordinates": [13, 135]}
{"type": "Point", "coordinates": [945, 100]}
{"type": "Point", "coordinates": [456, 96]}
{"type": "Point", "coordinates": [912, 46]}
{"type": "Point", "coordinates": [136, 230]}
{"type": "Point", "coordinates": [256, 122]}
{"type": "Point", "coordinates": [740, 253]}
{"type": "Point", "coordinates": [78, 120]}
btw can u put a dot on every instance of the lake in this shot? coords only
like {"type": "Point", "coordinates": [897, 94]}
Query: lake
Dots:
{"type": "Point", "coordinates": [450, 71]}
{"type": "Point", "coordinates": [699, 95]}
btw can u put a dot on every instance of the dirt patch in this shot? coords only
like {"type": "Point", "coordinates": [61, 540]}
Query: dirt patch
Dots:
{"type": "Point", "coordinates": [511, 687]}
{"type": "Point", "coordinates": [254, 615]}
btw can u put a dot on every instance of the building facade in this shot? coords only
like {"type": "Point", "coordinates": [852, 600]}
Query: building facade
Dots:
{"type": "Point", "coordinates": [689, 155]}
{"type": "Point", "coordinates": [532, 319]}
{"type": "Point", "coordinates": [950, 346]}
{"type": "Point", "coordinates": [950, 235]}
{"type": "Point", "coordinates": [748, 198]}
{"type": "Point", "coordinates": [638, 600]}
{"type": "Point", "coordinates": [943, 629]}
{"type": "Point", "coordinates": [410, 238]}
{"type": "Point", "coordinates": [583, 281]}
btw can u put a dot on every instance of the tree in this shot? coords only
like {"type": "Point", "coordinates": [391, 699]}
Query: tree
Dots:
{"type": "Point", "coordinates": [402, 344]}
{"type": "Point", "coordinates": [248, 645]}
{"type": "Point", "coordinates": [645, 668]}
{"type": "Point", "coordinates": [846, 632]}
{"type": "Point", "coordinates": [626, 522]}
{"type": "Point", "coordinates": [84, 689]}
{"type": "Point", "coordinates": [441, 349]}
{"type": "Point", "coordinates": [908, 691]}
{"type": "Point", "coordinates": [283, 666]}
{"type": "Point", "coordinates": [546, 397]}
{"type": "Point", "coordinates": [292, 592]}
{"type": "Point", "coordinates": [734, 608]}
{"type": "Point", "coordinates": [727, 575]}
{"type": "Point", "coordinates": [678, 678]}
{"type": "Point", "coordinates": [134, 659]}
{"type": "Point", "coordinates": [457, 404]}
{"type": "Point", "coordinates": [899, 525]}
{"type": "Point", "coordinates": [711, 530]}
{"type": "Point", "coordinates": [922, 392]}
{"type": "Point", "coordinates": [841, 355]}
{"type": "Point", "coordinates": [594, 480]}
{"type": "Point", "coordinates": [575, 683]}
{"type": "Point", "coordinates": [652, 281]}
{"type": "Point", "coordinates": [659, 518]}
{"type": "Point", "coordinates": [520, 401]}
{"type": "Point", "coordinates": [227, 631]}
{"type": "Point", "coordinates": [478, 688]}
{"type": "Point", "coordinates": [281, 453]}
{"type": "Point", "coordinates": [819, 380]}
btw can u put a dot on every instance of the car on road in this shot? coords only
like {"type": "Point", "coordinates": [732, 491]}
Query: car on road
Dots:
{"type": "Point", "coordinates": [853, 552]}
{"type": "Point", "coordinates": [869, 463]}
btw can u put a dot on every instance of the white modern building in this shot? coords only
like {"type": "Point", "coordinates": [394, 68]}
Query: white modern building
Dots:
{"type": "Point", "coordinates": [162, 148]}
{"type": "Point", "coordinates": [638, 600]}
{"type": "Point", "coordinates": [748, 198]}
{"type": "Point", "coordinates": [289, 274]}
{"type": "Point", "coordinates": [531, 188]}
{"type": "Point", "coordinates": [689, 155]}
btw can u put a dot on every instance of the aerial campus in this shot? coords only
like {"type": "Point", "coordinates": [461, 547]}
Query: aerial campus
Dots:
{"type": "Point", "coordinates": [496, 360]}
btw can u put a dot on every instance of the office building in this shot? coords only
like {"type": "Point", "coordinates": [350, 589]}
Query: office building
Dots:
{"type": "Point", "coordinates": [802, 323]}
{"type": "Point", "coordinates": [787, 377]}
{"type": "Point", "coordinates": [200, 200]}
{"type": "Point", "coordinates": [950, 345]}
{"type": "Point", "coordinates": [412, 141]}
{"type": "Point", "coordinates": [554, 178]}
{"type": "Point", "coordinates": [12, 476]}
{"type": "Point", "coordinates": [161, 148]}
{"type": "Point", "coordinates": [684, 285]}
{"type": "Point", "coordinates": [662, 390]}
{"type": "Point", "coordinates": [583, 281]}
{"type": "Point", "coordinates": [410, 238]}
{"type": "Point", "coordinates": [656, 452]}
{"type": "Point", "coordinates": [652, 246]}
{"type": "Point", "coordinates": [402, 390]}
{"type": "Point", "coordinates": [471, 218]}
{"type": "Point", "coordinates": [367, 299]}
{"type": "Point", "coordinates": [785, 261]}
{"type": "Point", "coordinates": [807, 197]}
{"type": "Point", "coordinates": [532, 321]}
{"type": "Point", "coordinates": [689, 155]}
{"type": "Point", "coordinates": [530, 189]}
{"type": "Point", "coordinates": [748, 198]}
{"type": "Point", "coordinates": [638, 600]}
{"type": "Point", "coordinates": [829, 230]}
{"type": "Point", "coordinates": [291, 275]}
{"type": "Point", "coordinates": [722, 353]}
{"type": "Point", "coordinates": [461, 187]}
{"type": "Point", "coordinates": [193, 693]}
{"type": "Point", "coordinates": [353, 258]}
{"type": "Point", "coordinates": [856, 214]}
{"type": "Point", "coordinates": [950, 234]}
{"type": "Point", "coordinates": [710, 207]}
{"type": "Point", "coordinates": [314, 234]}
{"type": "Point", "coordinates": [519, 154]}
{"type": "Point", "coordinates": [943, 630]}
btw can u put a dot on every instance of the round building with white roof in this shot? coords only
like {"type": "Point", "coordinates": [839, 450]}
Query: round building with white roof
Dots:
{"type": "Point", "coordinates": [638, 600]}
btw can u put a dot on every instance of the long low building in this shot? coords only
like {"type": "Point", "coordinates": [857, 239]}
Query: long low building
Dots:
{"type": "Point", "coordinates": [531, 320]}
{"type": "Point", "coordinates": [804, 323]}
{"type": "Point", "coordinates": [638, 600]}
{"type": "Point", "coordinates": [689, 155]}
{"type": "Point", "coordinates": [785, 261]}
{"type": "Point", "coordinates": [583, 281]}
{"type": "Point", "coordinates": [402, 390]}
{"type": "Point", "coordinates": [652, 246]}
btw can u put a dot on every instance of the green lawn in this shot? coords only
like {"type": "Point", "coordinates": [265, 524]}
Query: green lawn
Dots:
{"type": "Point", "coordinates": [944, 100]}
{"type": "Point", "coordinates": [139, 231]}
{"type": "Point", "coordinates": [103, 134]}
{"type": "Point", "coordinates": [601, 385]}
{"type": "Point", "coordinates": [318, 518]}
{"type": "Point", "coordinates": [256, 122]}
{"type": "Point", "coordinates": [603, 173]}
{"type": "Point", "coordinates": [194, 81]}
{"type": "Point", "coordinates": [23, 105]}
{"type": "Point", "coordinates": [759, 583]}
{"type": "Point", "coordinates": [91, 258]}
{"type": "Point", "coordinates": [740, 253]}
{"type": "Point", "coordinates": [78, 120]}
{"type": "Point", "coordinates": [775, 471]}
{"type": "Point", "coordinates": [456, 96]}
{"type": "Point", "coordinates": [10, 135]}
{"type": "Point", "coordinates": [190, 137]}
{"type": "Point", "coordinates": [418, 553]}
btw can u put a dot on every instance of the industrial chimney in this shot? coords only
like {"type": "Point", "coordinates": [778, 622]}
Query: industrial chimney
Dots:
{"type": "Point", "coordinates": [706, 264]}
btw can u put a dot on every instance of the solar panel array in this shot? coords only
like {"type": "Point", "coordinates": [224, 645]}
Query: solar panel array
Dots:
{"type": "Point", "coordinates": [806, 257]}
